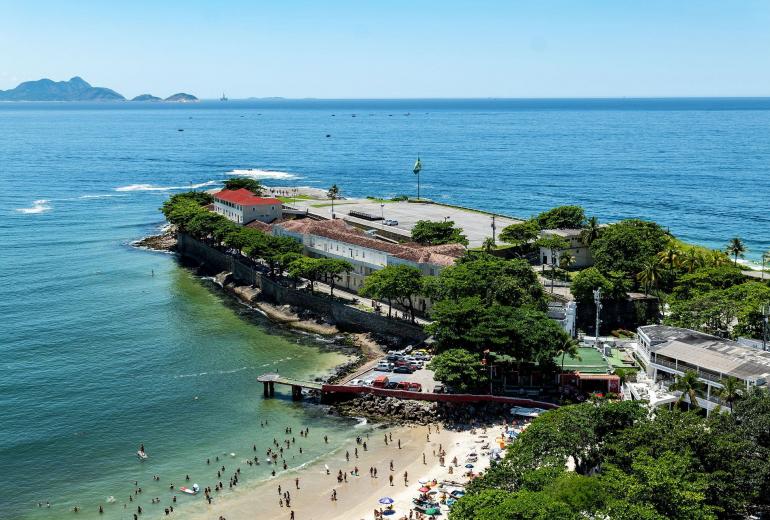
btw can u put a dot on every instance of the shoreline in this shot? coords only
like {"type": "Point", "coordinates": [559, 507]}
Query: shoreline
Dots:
{"type": "Point", "coordinates": [356, 496]}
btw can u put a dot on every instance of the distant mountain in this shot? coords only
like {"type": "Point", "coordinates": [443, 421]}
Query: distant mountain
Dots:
{"type": "Point", "coordinates": [76, 89]}
{"type": "Point", "coordinates": [181, 97]}
{"type": "Point", "coordinates": [146, 97]}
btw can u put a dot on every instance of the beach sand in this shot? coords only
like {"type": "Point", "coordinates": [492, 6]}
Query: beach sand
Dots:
{"type": "Point", "coordinates": [358, 497]}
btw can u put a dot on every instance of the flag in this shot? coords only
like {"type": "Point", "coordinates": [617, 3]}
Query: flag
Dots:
{"type": "Point", "coordinates": [417, 166]}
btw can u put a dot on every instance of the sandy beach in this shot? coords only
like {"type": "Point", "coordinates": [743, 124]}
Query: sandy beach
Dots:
{"type": "Point", "coordinates": [356, 496]}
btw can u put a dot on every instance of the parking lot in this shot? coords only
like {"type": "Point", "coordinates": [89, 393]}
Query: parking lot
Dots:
{"type": "Point", "coordinates": [422, 376]}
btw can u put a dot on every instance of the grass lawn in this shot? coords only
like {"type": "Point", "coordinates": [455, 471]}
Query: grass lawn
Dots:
{"type": "Point", "coordinates": [294, 199]}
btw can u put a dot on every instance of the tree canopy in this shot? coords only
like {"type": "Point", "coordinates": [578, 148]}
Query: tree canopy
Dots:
{"type": "Point", "coordinates": [626, 245]}
{"type": "Point", "coordinates": [508, 282]}
{"type": "Point", "coordinates": [520, 233]}
{"type": "Point", "coordinates": [561, 217]}
{"type": "Point", "coordinates": [460, 369]}
{"type": "Point", "coordinates": [431, 233]}
{"type": "Point", "coordinates": [253, 185]}
{"type": "Point", "coordinates": [399, 283]}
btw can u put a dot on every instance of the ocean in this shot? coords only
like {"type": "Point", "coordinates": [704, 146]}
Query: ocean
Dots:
{"type": "Point", "coordinates": [104, 346]}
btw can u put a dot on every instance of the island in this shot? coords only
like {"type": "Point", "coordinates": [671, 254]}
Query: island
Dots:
{"type": "Point", "coordinates": [182, 97]}
{"type": "Point", "coordinates": [146, 97]}
{"type": "Point", "coordinates": [76, 89]}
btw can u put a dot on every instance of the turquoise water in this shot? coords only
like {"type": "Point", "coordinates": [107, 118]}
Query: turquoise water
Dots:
{"type": "Point", "coordinates": [105, 346]}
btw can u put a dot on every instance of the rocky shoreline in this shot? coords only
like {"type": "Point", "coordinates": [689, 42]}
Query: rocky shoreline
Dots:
{"type": "Point", "coordinates": [392, 410]}
{"type": "Point", "coordinates": [165, 241]}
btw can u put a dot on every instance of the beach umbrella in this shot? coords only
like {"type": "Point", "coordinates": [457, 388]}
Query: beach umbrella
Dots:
{"type": "Point", "coordinates": [469, 466]}
{"type": "Point", "coordinates": [424, 489]}
{"type": "Point", "coordinates": [386, 500]}
{"type": "Point", "coordinates": [432, 511]}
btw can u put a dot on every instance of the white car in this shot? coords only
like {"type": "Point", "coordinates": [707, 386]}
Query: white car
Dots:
{"type": "Point", "coordinates": [389, 222]}
{"type": "Point", "coordinates": [357, 382]}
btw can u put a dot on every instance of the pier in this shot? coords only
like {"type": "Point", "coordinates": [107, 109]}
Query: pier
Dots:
{"type": "Point", "coordinates": [270, 380]}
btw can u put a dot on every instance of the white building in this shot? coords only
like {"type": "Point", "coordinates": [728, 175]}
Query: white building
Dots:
{"type": "Point", "coordinates": [242, 206]}
{"type": "Point", "coordinates": [336, 239]}
{"type": "Point", "coordinates": [579, 251]}
{"type": "Point", "coordinates": [666, 353]}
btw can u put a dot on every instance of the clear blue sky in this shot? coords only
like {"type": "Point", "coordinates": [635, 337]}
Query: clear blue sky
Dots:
{"type": "Point", "coordinates": [394, 48]}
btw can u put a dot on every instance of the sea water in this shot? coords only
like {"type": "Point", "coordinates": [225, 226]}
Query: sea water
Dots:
{"type": "Point", "coordinates": [104, 346]}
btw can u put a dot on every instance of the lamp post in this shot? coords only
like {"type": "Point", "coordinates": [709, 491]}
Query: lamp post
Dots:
{"type": "Point", "coordinates": [598, 302]}
{"type": "Point", "coordinates": [493, 229]}
{"type": "Point", "coordinates": [382, 216]}
{"type": "Point", "coordinates": [765, 312]}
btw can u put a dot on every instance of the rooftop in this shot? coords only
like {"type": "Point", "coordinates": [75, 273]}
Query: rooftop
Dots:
{"type": "Point", "coordinates": [588, 361]}
{"type": "Point", "coordinates": [444, 255]}
{"type": "Point", "coordinates": [244, 197]}
{"type": "Point", "coordinates": [709, 352]}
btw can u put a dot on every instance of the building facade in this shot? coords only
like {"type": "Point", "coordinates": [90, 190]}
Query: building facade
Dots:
{"type": "Point", "coordinates": [579, 251]}
{"type": "Point", "coordinates": [241, 206]}
{"type": "Point", "coordinates": [666, 353]}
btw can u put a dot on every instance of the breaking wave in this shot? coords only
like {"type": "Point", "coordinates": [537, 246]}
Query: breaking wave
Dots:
{"type": "Point", "coordinates": [152, 187]}
{"type": "Point", "coordinates": [256, 173]}
{"type": "Point", "coordinates": [38, 206]}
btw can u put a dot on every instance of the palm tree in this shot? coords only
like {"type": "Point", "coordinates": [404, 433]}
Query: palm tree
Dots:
{"type": "Point", "coordinates": [670, 256]}
{"type": "Point", "coordinates": [488, 245]}
{"type": "Point", "coordinates": [649, 275]}
{"type": "Point", "coordinates": [569, 346]}
{"type": "Point", "coordinates": [689, 385]}
{"type": "Point", "coordinates": [333, 193]}
{"type": "Point", "coordinates": [591, 231]}
{"type": "Point", "coordinates": [717, 258]}
{"type": "Point", "coordinates": [731, 390]}
{"type": "Point", "coordinates": [691, 259]}
{"type": "Point", "coordinates": [736, 247]}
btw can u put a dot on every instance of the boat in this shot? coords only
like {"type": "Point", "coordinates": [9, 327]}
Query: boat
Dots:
{"type": "Point", "coordinates": [190, 491]}
{"type": "Point", "coordinates": [142, 455]}
{"type": "Point", "coordinates": [223, 98]}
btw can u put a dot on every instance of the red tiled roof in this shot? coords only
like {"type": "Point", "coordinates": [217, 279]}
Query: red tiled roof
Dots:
{"type": "Point", "coordinates": [244, 197]}
{"type": "Point", "coordinates": [444, 255]}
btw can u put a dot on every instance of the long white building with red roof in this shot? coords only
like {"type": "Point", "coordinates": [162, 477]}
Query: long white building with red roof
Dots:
{"type": "Point", "coordinates": [242, 206]}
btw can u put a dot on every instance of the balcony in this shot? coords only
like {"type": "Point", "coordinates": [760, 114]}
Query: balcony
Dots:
{"type": "Point", "coordinates": [708, 376]}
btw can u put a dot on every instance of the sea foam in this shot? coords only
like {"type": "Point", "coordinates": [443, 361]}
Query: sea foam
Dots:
{"type": "Point", "coordinates": [256, 173]}
{"type": "Point", "coordinates": [38, 206]}
{"type": "Point", "coordinates": [152, 187]}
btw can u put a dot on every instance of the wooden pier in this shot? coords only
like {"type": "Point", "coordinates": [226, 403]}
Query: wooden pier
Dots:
{"type": "Point", "coordinates": [270, 380]}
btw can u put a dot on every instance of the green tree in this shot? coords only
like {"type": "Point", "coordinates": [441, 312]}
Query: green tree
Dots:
{"type": "Point", "coordinates": [307, 268]}
{"type": "Point", "coordinates": [436, 233]}
{"type": "Point", "coordinates": [705, 279]}
{"type": "Point", "coordinates": [689, 385]}
{"type": "Point", "coordinates": [669, 257]}
{"type": "Point", "coordinates": [566, 259]}
{"type": "Point", "coordinates": [649, 275]}
{"type": "Point", "coordinates": [460, 369]}
{"type": "Point", "coordinates": [591, 231]}
{"type": "Point", "coordinates": [332, 270]}
{"type": "Point", "coordinates": [627, 245]}
{"type": "Point", "coordinates": [737, 248]}
{"type": "Point", "coordinates": [520, 233]}
{"type": "Point", "coordinates": [333, 194]}
{"type": "Point", "coordinates": [400, 283]}
{"type": "Point", "coordinates": [488, 245]}
{"type": "Point", "coordinates": [691, 259]}
{"type": "Point", "coordinates": [508, 282]}
{"type": "Point", "coordinates": [237, 183]}
{"type": "Point", "coordinates": [731, 390]}
{"type": "Point", "coordinates": [562, 217]}
{"type": "Point", "coordinates": [585, 282]}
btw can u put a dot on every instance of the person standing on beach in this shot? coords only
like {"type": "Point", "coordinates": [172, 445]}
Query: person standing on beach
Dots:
{"type": "Point", "coordinates": [291, 516]}
{"type": "Point", "coordinates": [406, 478]}
{"type": "Point", "coordinates": [296, 482]}
{"type": "Point", "coordinates": [390, 478]}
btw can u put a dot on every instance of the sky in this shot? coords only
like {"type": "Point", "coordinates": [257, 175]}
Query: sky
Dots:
{"type": "Point", "coordinates": [394, 48]}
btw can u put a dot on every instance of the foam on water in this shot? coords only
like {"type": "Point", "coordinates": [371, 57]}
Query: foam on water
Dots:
{"type": "Point", "coordinates": [152, 187]}
{"type": "Point", "coordinates": [256, 173]}
{"type": "Point", "coordinates": [38, 206]}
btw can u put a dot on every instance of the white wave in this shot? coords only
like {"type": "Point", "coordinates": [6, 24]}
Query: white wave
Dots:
{"type": "Point", "coordinates": [100, 196]}
{"type": "Point", "coordinates": [152, 187]}
{"type": "Point", "coordinates": [38, 206]}
{"type": "Point", "coordinates": [256, 173]}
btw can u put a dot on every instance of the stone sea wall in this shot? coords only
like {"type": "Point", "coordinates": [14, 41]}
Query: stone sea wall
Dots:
{"type": "Point", "coordinates": [344, 316]}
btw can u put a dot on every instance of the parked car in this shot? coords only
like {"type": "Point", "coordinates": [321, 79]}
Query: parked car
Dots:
{"type": "Point", "coordinates": [403, 369]}
{"type": "Point", "coordinates": [415, 387]}
{"type": "Point", "coordinates": [390, 222]}
{"type": "Point", "coordinates": [391, 385]}
{"type": "Point", "coordinates": [384, 366]}
{"type": "Point", "coordinates": [380, 381]}
{"type": "Point", "coordinates": [402, 385]}
{"type": "Point", "coordinates": [356, 382]}
{"type": "Point", "coordinates": [439, 389]}
{"type": "Point", "coordinates": [392, 357]}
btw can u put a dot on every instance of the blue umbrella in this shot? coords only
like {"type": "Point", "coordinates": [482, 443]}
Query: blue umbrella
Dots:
{"type": "Point", "coordinates": [469, 466]}
{"type": "Point", "coordinates": [386, 500]}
